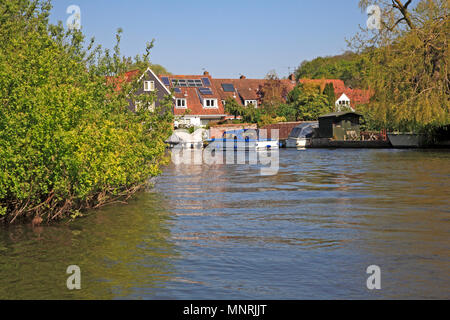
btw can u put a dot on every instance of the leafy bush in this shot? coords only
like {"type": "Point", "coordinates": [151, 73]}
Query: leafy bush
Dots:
{"type": "Point", "coordinates": [305, 102]}
{"type": "Point", "coordinates": [67, 140]}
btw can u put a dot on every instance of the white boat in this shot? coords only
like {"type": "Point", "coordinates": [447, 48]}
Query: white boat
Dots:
{"type": "Point", "coordinates": [300, 137]}
{"type": "Point", "coordinates": [267, 145]}
{"type": "Point", "coordinates": [406, 140]}
{"type": "Point", "coordinates": [242, 140]}
{"type": "Point", "coordinates": [185, 140]}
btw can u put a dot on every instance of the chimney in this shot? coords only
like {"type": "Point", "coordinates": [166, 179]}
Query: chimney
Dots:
{"type": "Point", "coordinates": [291, 77]}
{"type": "Point", "coordinates": [206, 73]}
{"type": "Point", "coordinates": [242, 77]}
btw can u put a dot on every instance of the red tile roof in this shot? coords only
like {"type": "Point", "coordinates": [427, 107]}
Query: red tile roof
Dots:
{"type": "Point", "coordinates": [245, 89]}
{"type": "Point", "coordinates": [248, 89]}
{"type": "Point", "coordinates": [356, 96]}
{"type": "Point", "coordinates": [126, 77]}
{"type": "Point", "coordinates": [194, 99]}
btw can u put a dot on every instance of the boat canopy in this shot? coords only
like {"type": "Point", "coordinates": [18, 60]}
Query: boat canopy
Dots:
{"type": "Point", "coordinates": [183, 136]}
{"type": "Point", "coordinates": [243, 134]}
{"type": "Point", "coordinates": [304, 130]}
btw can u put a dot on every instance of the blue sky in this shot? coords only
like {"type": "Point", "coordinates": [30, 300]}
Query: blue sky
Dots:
{"type": "Point", "coordinates": [226, 37]}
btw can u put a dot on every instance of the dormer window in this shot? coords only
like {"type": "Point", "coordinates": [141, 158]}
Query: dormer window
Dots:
{"type": "Point", "coordinates": [210, 103]}
{"type": "Point", "coordinates": [181, 103]}
{"type": "Point", "coordinates": [253, 102]}
{"type": "Point", "coordinates": [149, 86]}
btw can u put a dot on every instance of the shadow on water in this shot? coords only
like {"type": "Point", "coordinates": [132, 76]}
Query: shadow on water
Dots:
{"type": "Point", "coordinates": [119, 250]}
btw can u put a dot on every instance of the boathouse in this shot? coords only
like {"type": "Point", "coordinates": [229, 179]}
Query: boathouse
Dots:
{"type": "Point", "coordinates": [341, 126]}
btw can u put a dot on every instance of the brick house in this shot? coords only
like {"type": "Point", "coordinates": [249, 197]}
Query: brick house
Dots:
{"type": "Point", "coordinates": [250, 91]}
{"type": "Point", "coordinates": [200, 99]}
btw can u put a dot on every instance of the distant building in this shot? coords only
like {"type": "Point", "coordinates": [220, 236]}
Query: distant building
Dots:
{"type": "Point", "coordinates": [200, 99]}
{"type": "Point", "coordinates": [343, 103]}
{"type": "Point", "coordinates": [248, 92]}
{"type": "Point", "coordinates": [150, 84]}
{"type": "Point", "coordinates": [347, 97]}
{"type": "Point", "coordinates": [340, 126]}
{"type": "Point", "coordinates": [197, 101]}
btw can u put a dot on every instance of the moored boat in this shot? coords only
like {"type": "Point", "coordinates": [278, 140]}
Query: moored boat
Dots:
{"type": "Point", "coordinates": [406, 140]}
{"type": "Point", "coordinates": [301, 136]}
{"type": "Point", "coordinates": [243, 140]}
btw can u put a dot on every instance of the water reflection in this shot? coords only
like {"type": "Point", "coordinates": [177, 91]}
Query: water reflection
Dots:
{"type": "Point", "coordinates": [311, 230]}
{"type": "Point", "coordinates": [119, 250]}
{"type": "Point", "coordinates": [226, 232]}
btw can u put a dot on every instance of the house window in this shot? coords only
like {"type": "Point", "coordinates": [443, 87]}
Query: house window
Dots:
{"type": "Point", "coordinates": [210, 103]}
{"type": "Point", "coordinates": [149, 85]}
{"type": "Point", "coordinates": [181, 103]}
{"type": "Point", "coordinates": [253, 102]}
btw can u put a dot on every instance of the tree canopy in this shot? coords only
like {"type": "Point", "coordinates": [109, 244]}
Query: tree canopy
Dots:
{"type": "Point", "coordinates": [67, 140]}
{"type": "Point", "coordinates": [349, 67]}
{"type": "Point", "coordinates": [408, 64]}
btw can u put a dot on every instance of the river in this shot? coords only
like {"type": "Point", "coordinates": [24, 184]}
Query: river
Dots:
{"type": "Point", "coordinates": [227, 232]}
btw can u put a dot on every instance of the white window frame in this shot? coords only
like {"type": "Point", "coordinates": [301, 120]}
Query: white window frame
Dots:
{"type": "Point", "coordinates": [183, 103]}
{"type": "Point", "coordinates": [214, 105]}
{"type": "Point", "coordinates": [149, 86]}
{"type": "Point", "coordinates": [254, 102]}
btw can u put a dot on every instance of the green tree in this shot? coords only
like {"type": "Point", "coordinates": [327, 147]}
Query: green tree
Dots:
{"type": "Point", "coordinates": [305, 102]}
{"type": "Point", "coordinates": [233, 107]}
{"type": "Point", "coordinates": [67, 139]}
{"type": "Point", "coordinates": [349, 67]}
{"type": "Point", "coordinates": [408, 64]}
{"type": "Point", "coordinates": [329, 93]}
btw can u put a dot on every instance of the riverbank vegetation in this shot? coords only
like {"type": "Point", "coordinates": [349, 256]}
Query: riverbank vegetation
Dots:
{"type": "Point", "coordinates": [408, 65]}
{"type": "Point", "coordinates": [404, 62]}
{"type": "Point", "coordinates": [67, 139]}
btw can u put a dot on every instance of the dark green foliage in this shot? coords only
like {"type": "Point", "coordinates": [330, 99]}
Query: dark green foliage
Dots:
{"type": "Point", "coordinates": [349, 67]}
{"type": "Point", "coordinates": [233, 108]}
{"type": "Point", "coordinates": [329, 92]}
{"type": "Point", "coordinates": [304, 103]}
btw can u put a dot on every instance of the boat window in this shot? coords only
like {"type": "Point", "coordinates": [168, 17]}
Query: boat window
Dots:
{"type": "Point", "coordinates": [251, 134]}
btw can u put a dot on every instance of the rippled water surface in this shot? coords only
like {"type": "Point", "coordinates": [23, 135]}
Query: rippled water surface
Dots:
{"type": "Point", "coordinates": [226, 232]}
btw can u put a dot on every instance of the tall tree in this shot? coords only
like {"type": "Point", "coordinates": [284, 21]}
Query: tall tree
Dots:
{"type": "Point", "coordinates": [329, 93]}
{"type": "Point", "coordinates": [409, 57]}
{"type": "Point", "coordinates": [272, 93]}
{"type": "Point", "coordinates": [233, 108]}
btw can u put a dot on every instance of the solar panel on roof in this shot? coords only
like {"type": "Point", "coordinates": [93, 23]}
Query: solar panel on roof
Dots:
{"type": "Point", "coordinates": [165, 80]}
{"type": "Point", "coordinates": [177, 90]}
{"type": "Point", "coordinates": [205, 91]}
{"type": "Point", "coordinates": [228, 87]}
{"type": "Point", "coordinates": [195, 83]}
{"type": "Point", "coordinates": [179, 83]}
{"type": "Point", "coordinates": [206, 82]}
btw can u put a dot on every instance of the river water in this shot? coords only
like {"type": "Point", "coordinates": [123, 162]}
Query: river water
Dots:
{"type": "Point", "coordinates": [227, 232]}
